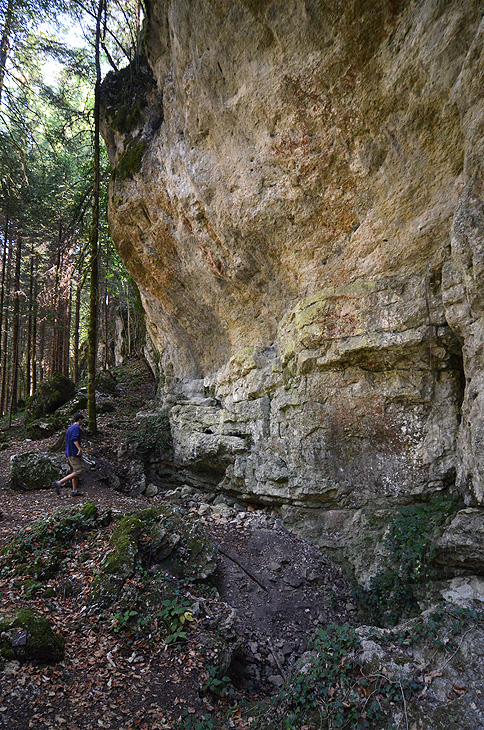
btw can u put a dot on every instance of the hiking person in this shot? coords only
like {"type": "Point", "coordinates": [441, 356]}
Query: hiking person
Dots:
{"type": "Point", "coordinates": [74, 456]}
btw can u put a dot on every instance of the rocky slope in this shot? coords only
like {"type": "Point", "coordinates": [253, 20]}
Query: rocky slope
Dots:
{"type": "Point", "coordinates": [298, 191]}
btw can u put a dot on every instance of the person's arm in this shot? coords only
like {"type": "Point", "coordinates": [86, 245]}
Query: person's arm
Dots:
{"type": "Point", "coordinates": [78, 446]}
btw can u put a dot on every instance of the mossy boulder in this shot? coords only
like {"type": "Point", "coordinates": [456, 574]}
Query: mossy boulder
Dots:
{"type": "Point", "coordinates": [192, 555]}
{"type": "Point", "coordinates": [150, 537]}
{"type": "Point", "coordinates": [75, 404]}
{"type": "Point", "coordinates": [35, 470]}
{"type": "Point", "coordinates": [45, 427]}
{"type": "Point", "coordinates": [119, 564]}
{"type": "Point", "coordinates": [50, 395]}
{"type": "Point", "coordinates": [26, 634]}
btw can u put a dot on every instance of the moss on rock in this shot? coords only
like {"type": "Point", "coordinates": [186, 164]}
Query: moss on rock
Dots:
{"type": "Point", "coordinates": [125, 95]}
{"type": "Point", "coordinates": [50, 395]}
{"type": "Point", "coordinates": [149, 537]}
{"type": "Point", "coordinates": [28, 635]}
{"type": "Point", "coordinates": [119, 564]}
{"type": "Point", "coordinates": [130, 160]}
{"type": "Point", "coordinates": [45, 427]}
{"type": "Point", "coordinates": [35, 470]}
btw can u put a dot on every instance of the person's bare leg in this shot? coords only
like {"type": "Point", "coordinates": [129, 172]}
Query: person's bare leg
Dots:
{"type": "Point", "coordinates": [67, 478]}
{"type": "Point", "coordinates": [75, 481]}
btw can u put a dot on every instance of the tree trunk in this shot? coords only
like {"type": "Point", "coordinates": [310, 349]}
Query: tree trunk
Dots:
{"type": "Point", "coordinates": [30, 317]}
{"type": "Point", "coordinates": [34, 333]}
{"type": "Point", "coordinates": [67, 330]}
{"type": "Point", "coordinates": [55, 365]}
{"type": "Point", "coordinates": [94, 237]}
{"type": "Point", "coordinates": [4, 43]}
{"type": "Point", "coordinates": [77, 318]}
{"type": "Point", "coordinates": [4, 270]}
{"type": "Point", "coordinates": [15, 332]}
{"type": "Point", "coordinates": [41, 349]}
{"type": "Point", "coordinates": [3, 389]}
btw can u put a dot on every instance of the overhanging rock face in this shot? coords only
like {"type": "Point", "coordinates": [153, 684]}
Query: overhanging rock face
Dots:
{"type": "Point", "coordinates": [298, 192]}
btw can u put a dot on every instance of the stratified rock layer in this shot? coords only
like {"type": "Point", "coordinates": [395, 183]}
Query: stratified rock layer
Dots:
{"type": "Point", "coordinates": [298, 192]}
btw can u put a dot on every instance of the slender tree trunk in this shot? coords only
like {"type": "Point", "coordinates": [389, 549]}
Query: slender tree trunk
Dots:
{"type": "Point", "coordinates": [33, 386]}
{"type": "Point", "coordinates": [4, 270]}
{"type": "Point", "coordinates": [128, 319]}
{"type": "Point", "coordinates": [3, 389]}
{"type": "Point", "coordinates": [42, 349]}
{"type": "Point", "coordinates": [67, 330]}
{"type": "Point", "coordinates": [106, 303]}
{"type": "Point", "coordinates": [30, 317]}
{"type": "Point", "coordinates": [15, 332]}
{"type": "Point", "coordinates": [4, 43]}
{"type": "Point", "coordinates": [77, 318]}
{"type": "Point", "coordinates": [94, 237]}
{"type": "Point", "coordinates": [56, 314]}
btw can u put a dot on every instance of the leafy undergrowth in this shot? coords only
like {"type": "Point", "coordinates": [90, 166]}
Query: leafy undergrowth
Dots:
{"type": "Point", "coordinates": [122, 661]}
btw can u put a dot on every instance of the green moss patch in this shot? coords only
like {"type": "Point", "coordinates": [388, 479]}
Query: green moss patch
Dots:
{"type": "Point", "coordinates": [151, 537]}
{"type": "Point", "coordinates": [50, 395]}
{"type": "Point", "coordinates": [27, 634]}
{"type": "Point", "coordinates": [129, 162]}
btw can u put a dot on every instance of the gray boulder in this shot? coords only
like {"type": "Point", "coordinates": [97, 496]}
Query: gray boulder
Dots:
{"type": "Point", "coordinates": [35, 470]}
{"type": "Point", "coordinates": [50, 395]}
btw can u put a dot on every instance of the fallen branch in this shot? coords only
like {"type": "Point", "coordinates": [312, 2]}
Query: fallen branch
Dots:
{"type": "Point", "coordinates": [242, 567]}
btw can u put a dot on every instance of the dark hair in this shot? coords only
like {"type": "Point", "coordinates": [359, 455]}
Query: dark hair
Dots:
{"type": "Point", "coordinates": [77, 417]}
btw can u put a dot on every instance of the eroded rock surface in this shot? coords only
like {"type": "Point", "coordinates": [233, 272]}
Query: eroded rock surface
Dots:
{"type": "Point", "coordinates": [298, 192]}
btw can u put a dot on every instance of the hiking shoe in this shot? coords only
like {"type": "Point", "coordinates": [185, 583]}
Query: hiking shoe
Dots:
{"type": "Point", "coordinates": [76, 493]}
{"type": "Point", "coordinates": [57, 487]}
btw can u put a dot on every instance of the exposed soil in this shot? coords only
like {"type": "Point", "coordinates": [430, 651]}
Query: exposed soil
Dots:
{"type": "Point", "coordinates": [273, 591]}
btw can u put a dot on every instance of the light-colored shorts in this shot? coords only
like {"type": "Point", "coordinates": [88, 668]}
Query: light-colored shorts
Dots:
{"type": "Point", "coordinates": [77, 465]}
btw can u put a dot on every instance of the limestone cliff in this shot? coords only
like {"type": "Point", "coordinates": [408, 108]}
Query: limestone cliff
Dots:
{"type": "Point", "coordinates": [298, 191]}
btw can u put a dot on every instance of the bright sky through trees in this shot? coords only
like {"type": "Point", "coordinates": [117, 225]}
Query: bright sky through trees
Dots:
{"type": "Point", "coordinates": [70, 33]}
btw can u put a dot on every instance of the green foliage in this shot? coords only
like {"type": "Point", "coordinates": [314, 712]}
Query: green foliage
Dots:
{"type": "Point", "coordinates": [410, 543]}
{"type": "Point", "coordinates": [220, 686]}
{"type": "Point", "coordinates": [144, 606]}
{"type": "Point", "coordinates": [177, 616]}
{"type": "Point", "coordinates": [40, 550]}
{"type": "Point", "coordinates": [154, 433]}
{"type": "Point", "coordinates": [331, 690]}
{"type": "Point", "coordinates": [196, 722]}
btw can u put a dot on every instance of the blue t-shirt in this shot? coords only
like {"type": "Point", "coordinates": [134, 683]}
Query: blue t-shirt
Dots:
{"type": "Point", "coordinates": [73, 434]}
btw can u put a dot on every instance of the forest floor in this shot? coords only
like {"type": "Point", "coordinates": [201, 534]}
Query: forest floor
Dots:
{"type": "Point", "coordinates": [270, 589]}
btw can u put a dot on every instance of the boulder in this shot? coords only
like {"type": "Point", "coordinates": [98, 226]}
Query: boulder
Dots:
{"type": "Point", "coordinates": [45, 427]}
{"type": "Point", "coordinates": [154, 536]}
{"type": "Point", "coordinates": [26, 634]}
{"type": "Point", "coordinates": [35, 470]}
{"type": "Point", "coordinates": [50, 395]}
